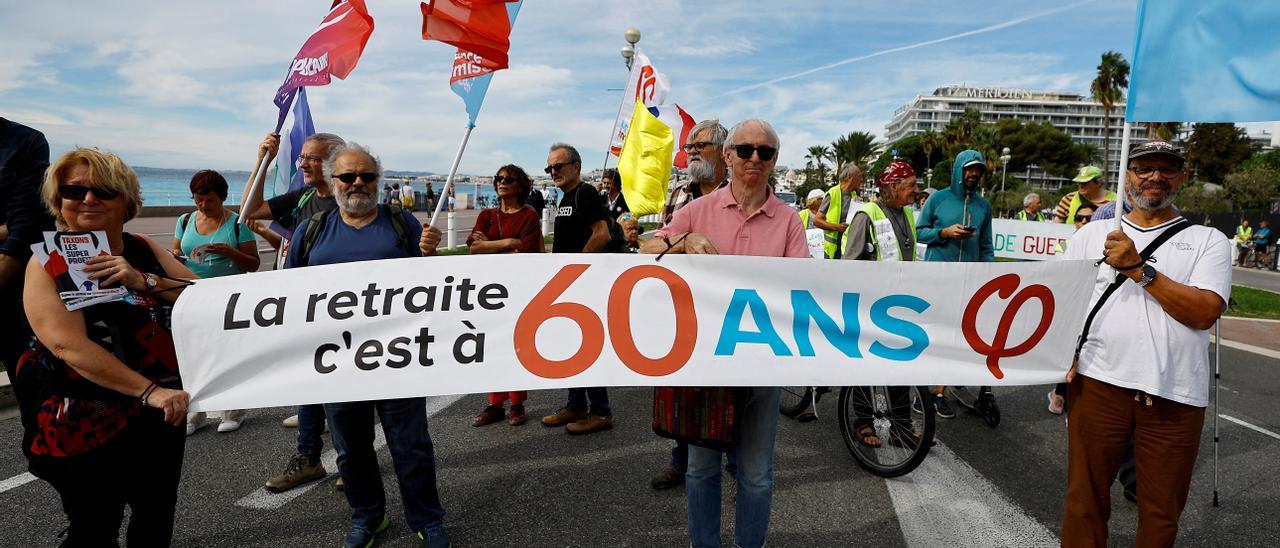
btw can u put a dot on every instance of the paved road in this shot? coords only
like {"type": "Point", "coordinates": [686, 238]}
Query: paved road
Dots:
{"type": "Point", "coordinates": [533, 486]}
{"type": "Point", "coordinates": [1258, 279]}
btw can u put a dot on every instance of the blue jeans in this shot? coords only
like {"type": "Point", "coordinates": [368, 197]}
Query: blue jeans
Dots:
{"type": "Point", "coordinates": [680, 459]}
{"type": "Point", "coordinates": [755, 477]}
{"type": "Point", "coordinates": [599, 401]}
{"type": "Point", "coordinates": [404, 422]}
{"type": "Point", "coordinates": [310, 430]}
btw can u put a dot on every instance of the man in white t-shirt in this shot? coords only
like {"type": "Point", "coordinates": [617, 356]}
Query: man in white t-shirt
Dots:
{"type": "Point", "coordinates": [1143, 370]}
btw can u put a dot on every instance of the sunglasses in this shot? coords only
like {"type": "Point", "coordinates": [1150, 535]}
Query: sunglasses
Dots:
{"type": "Point", "coordinates": [350, 178]}
{"type": "Point", "coordinates": [77, 193]}
{"type": "Point", "coordinates": [745, 151]}
{"type": "Point", "coordinates": [694, 147]}
{"type": "Point", "coordinates": [556, 167]}
{"type": "Point", "coordinates": [504, 179]}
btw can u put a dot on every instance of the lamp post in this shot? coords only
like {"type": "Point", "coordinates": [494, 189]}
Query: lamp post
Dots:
{"type": "Point", "coordinates": [1004, 166]}
{"type": "Point", "coordinates": [632, 36]}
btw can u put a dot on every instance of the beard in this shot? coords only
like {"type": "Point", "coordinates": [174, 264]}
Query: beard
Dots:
{"type": "Point", "coordinates": [701, 171]}
{"type": "Point", "coordinates": [355, 202]}
{"type": "Point", "coordinates": [1140, 201]}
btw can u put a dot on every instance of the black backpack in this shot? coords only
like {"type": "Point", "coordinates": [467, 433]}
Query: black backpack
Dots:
{"type": "Point", "coordinates": [317, 222]}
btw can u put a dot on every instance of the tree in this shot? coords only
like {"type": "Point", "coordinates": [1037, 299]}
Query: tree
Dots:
{"type": "Point", "coordinates": [957, 135]}
{"type": "Point", "coordinates": [1268, 159]}
{"type": "Point", "coordinates": [818, 154]}
{"type": "Point", "coordinates": [1164, 131]}
{"type": "Point", "coordinates": [1195, 198]}
{"type": "Point", "coordinates": [1252, 190]}
{"type": "Point", "coordinates": [1214, 150]}
{"type": "Point", "coordinates": [930, 142]}
{"type": "Point", "coordinates": [853, 148]}
{"type": "Point", "coordinates": [1108, 88]}
{"type": "Point", "coordinates": [1041, 144]}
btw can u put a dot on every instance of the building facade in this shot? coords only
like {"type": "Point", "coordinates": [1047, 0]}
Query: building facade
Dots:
{"type": "Point", "coordinates": [1078, 116]}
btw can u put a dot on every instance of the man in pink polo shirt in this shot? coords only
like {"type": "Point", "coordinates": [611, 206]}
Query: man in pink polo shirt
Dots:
{"type": "Point", "coordinates": [743, 218]}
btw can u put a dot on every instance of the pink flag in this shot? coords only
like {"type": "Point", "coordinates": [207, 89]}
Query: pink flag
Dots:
{"type": "Point", "coordinates": [333, 49]}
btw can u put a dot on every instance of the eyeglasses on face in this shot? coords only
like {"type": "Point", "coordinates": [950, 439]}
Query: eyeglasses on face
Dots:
{"type": "Point", "coordinates": [78, 193]}
{"type": "Point", "coordinates": [745, 151]}
{"type": "Point", "coordinates": [557, 167]}
{"type": "Point", "coordinates": [350, 178]}
{"type": "Point", "coordinates": [690, 148]}
{"type": "Point", "coordinates": [504, 180]}
{"type": "Point", "coordinates": [1147, 171]}
{"type": "Point", "coordinates": [304, 159]}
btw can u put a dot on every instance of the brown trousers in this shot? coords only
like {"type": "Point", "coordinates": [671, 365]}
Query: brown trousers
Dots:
{"type": "Point", "coordinates": [1166, 439]}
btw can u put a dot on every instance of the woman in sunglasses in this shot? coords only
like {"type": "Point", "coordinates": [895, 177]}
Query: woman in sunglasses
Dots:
{"type": "Point", "coordinates": [512, 227]}
{"type": "Point", "coordinates": [102, 404]}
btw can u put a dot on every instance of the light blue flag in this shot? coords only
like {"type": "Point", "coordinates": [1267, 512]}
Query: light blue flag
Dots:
{"type": "Point", "coordinates": [470, 80]}
{"type": "Point", "coordinates": [288, 176]}
{"type": "Point", "coordinates": [1205, 61]}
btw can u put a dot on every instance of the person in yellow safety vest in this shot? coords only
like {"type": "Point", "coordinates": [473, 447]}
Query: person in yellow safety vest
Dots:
{"type": "Point", "coordinates": [840, 201]}
{"type": "Point", "coordinates": [1089, 191]}
{"type": "Point", "coordinates": [1031, 208]}
{"type": "Point", "coordinates": [1244, 241]}
{"type": "Point", "coordinates": [810, 211]}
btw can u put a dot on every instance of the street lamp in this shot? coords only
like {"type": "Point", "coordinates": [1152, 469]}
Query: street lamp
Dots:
{"type": "Point", "coordinates": [632, 36]}
{"type": "Point", "coordinates": [1004, 166]}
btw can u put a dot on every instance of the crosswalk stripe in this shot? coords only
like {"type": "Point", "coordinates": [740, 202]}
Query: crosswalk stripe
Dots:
{"type": "Point", "coordinates": [16, 481]}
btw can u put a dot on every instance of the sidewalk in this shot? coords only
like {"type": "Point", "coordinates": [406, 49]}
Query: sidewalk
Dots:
{"type": "Point", "coordinates": [1254, 334]}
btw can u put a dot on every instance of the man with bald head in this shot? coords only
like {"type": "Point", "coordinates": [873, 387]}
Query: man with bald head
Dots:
{"type": "Point", "coordinates": [742, 218]}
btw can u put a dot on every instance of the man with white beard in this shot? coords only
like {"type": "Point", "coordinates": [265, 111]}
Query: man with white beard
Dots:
{"type": "Point", "coordinates": [364, 230]}
{"type": "Point", "coordinates": [707, 170]}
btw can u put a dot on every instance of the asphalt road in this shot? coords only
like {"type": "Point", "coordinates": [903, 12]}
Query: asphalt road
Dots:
{"type": "Point", "coordinates": [1257, 279]}
{"type": "Point", "coordinates": [534, 486]}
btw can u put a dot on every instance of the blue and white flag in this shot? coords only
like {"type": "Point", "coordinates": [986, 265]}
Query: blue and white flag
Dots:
{"type": "Point", "coordinates": [1205, 61]}
{"type": "Point", "coordinates": [288, 176]}
{"type": "Point", "coordinates": [471, 74]}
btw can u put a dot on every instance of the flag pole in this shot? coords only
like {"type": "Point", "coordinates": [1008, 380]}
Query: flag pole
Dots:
{"type": "Point", "coordinates": [260, 180]}
{"type": "Point", "coordinates": [1121, 195]}
{"type": "Point", "coordinates": [453, 170]}
{"type": "Point", "coordinates": [1217, 375]}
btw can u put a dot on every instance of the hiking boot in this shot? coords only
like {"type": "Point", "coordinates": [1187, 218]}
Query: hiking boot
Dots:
{"type": "Point", "coordinates": [433, 536]}
{"type": "Point", "coordinates": [563, 416]}
{"type": "Point", "coordinates": [590, 424]}
{"type": "Point", "coordinates": [490, 415]}
{"type": "Point", "coordinates": [1056, 403]}
{"type": "Point", "coordinates": [516, 416]}
{"type": "Point", "coordinates": [667, 478]}
{"type": "Point", "coordinates": [942, 407]}
{"type": "Point", "coordinates": [302, 469]}
{"type": "Point", "coordinates": [361, 536]}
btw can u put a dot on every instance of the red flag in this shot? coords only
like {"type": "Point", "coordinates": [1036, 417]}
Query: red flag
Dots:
{"type": "Point", "coordinates": [333, 49]}
{"type": "Point", "coordinates": [481, 27]}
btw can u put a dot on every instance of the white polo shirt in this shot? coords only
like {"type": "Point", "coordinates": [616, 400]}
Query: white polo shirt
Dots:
{"type": "Point", "coordinates": [1133, 343]}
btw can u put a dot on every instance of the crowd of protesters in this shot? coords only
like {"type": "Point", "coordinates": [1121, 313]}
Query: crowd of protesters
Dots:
{"type": "Point", "coordinates": [104, 415]}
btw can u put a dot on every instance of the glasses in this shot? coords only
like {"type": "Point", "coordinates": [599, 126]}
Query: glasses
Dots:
{"type": "Point", "coordinates": [504, 180]}
{"type": "Point", "coordinates": [1083, 218]}
{"type": "Point", "coordinates": [745, 151]}
{"type": "Point", "coordinates": [350, 178]}
{"type": "Point", "coordinates": [304, 159]}
{"type": "Point", "coordinates": [1147, 171]}
{"type": "Point", "coordinates": [694, 147]}
{"type": "Point", "coordinates": [557, 167]}
{"type": "Point", "coordinates": [78, 193]}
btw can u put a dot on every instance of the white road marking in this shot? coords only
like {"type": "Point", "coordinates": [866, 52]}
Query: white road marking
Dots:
{"type": "Point", "coordinates": [1255, 428]}
{"type": "Point", "coordinates": [16, 481]}
{"type": "Point", "coordinates": [1247, 348]}
{"type": "Point", "coordinates": [266, 500]}
{"type": "Point", "coordinates": [945, 502]}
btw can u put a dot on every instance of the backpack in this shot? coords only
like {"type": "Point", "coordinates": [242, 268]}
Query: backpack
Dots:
{"type": "Point", "coordinates": [617, 240]}
{"type": "Point", "coordinates": [317, 222]}
{"type": "Point", "coordinates": [182, 225]}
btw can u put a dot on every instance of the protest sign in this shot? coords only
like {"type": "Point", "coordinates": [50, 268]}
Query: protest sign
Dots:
{"type": "Point", "coordinates": [1029, 240]}
{"type": "Point", "coordinates": [63, 255]}
{"type": "Point", "coordinates": [473, 324]}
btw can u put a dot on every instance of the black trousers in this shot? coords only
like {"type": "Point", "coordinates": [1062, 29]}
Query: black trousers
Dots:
{"type": "Point", "coordinates": [139, 467]}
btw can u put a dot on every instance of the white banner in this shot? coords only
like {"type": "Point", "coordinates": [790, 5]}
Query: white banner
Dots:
{"type": "Point", "coordinates": [1028, 240]}
{"type": "Point", "coordinates": [475, 324]}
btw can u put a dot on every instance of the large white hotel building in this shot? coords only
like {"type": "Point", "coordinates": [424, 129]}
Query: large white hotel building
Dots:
{"type": "Point", "coordinates": [1079, 117]}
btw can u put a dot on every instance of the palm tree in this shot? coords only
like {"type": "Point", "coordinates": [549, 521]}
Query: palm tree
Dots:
{"type": "Point", "coordinates": [958, 134]}
{"type": "Point", "coordinates": [853, 148]}
{"type": "Point", "coordinates": [930, 141]}
{"type": "Point", "coordinates": [1108, 88]}
{"type": "Point", "coordinates": [1165, 131]}
{"type": "Point", "coordinates": [816, 155]}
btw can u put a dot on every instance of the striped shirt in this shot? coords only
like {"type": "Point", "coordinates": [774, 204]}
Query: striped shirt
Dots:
{"type": "Point", "coordinates": [681, 196]}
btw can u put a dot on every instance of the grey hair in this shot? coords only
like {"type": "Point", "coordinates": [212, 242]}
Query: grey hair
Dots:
{"type": "Point", "coordinates": [733, 133]}
{"type": "Point", "coordinates": [1026, 200]}
{"type": "Point", "coordinates": [351, 147]}
{"type": "Point", "coordinates": [848, 171]}
{"type": "Point", "coordinates": [574, 157]}
{"type": "Point", "coordinates": [330, 140]}
{"type": "Point", "coordinates": [718, 132]}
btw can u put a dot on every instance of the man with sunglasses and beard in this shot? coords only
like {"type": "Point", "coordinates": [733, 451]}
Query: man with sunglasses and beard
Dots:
{"type": "Point", "coordinates": [581, 227]}
{"type": "Point", "coordinates": [361, 229]}
{"type": "Point", "coordinates": [743, 218]}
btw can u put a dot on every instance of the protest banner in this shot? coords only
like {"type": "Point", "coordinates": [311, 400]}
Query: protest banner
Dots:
{"type": "Point", "coordinates": [1029, 240]}
{"type": "Point", "coordinates": [472, 324]}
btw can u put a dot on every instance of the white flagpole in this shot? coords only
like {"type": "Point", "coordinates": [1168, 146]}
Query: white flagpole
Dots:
{"type": "Point", "coordinates": [1121, 194]}
{"type": "Point", "coordinates": [453, 170]}
{"type": "Point", "coordinates": [257, 183]}
{"type": "Point", "coordinates": [1217, 374]}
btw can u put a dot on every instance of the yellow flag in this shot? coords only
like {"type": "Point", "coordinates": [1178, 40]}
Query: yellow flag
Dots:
{"type": "Point", "coordinates": [645, 163]}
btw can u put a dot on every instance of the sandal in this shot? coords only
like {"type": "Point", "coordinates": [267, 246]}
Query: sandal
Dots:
{"type": "Point", "coordinates": [865, 436]}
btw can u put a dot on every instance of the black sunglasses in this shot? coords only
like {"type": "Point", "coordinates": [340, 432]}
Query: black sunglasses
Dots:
{"type": "Point", "coordinates": [350, 178]}
{"type": "Point", "coordinates": [557, 167]}
{"type": "Point", "coordinates": [745, 151]}
{"type": "Point", "coordinates": [78, 192]}
{"type": "Point", "coordinates": [500, 179]}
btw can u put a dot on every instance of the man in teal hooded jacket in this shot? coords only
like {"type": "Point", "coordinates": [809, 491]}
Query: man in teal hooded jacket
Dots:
{"type": "Point", "coordinates": [956, 225]}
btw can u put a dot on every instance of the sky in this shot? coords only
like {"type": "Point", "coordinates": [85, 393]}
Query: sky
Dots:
{"type": "Point", "coordinates": [190, 84]}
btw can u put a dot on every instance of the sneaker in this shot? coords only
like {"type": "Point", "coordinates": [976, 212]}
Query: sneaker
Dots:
{"type": "Point", "coordinates": [228, 425]}
{"type": "Point", "coordinates": [302, 469]}
{"type": "Point", "coordinates": [338, 485]}
{"type": "Point", "coordinates": [563, 416]}
{"type": "Point", "coordinates": [589, 425]}
{"type": "Point", "coordinates": [434, 537]}
{"type": "Point", "coordinates": [490, 415]}
{"type": "Point", "coordinates": [290, 422]}
{"type": "Point", "coordinates": [667, 478]}
{"type": "Point", "coordinates": [1056, 403]}
{"type": "Point", "coordinates": [807, 416]}
{"type": "Point", "coordinates": [516, 416]}
{"type": "Point", "coordinates": [361, 536]}
{"type": "Point", "coordinates": [196, 421]}
{"type": "Point", "coordinates": [942, 407]}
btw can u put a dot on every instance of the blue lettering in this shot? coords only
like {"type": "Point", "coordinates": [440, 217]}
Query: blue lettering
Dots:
{"type": "Point", "coordinates": [910, 331]}
{"type": "Point", "coordinates": [804, 307]}
{"type": "Point", "coordinates": [731, 333]}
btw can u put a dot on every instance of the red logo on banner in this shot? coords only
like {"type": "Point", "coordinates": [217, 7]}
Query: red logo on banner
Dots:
{"type": "Point", "coordinates": [998, 348]}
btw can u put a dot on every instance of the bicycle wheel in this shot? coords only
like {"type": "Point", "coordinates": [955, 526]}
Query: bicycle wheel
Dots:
{"type": "Point", "coordinates": [794, 400]}
{"type": "Point", "coordinates": [886, 410]}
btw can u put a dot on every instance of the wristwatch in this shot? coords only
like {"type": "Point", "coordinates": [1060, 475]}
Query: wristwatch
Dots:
{"type": "Point", "coordinates": [151, 280]}
{"type": "Point", "coordinates": [1148, 275]}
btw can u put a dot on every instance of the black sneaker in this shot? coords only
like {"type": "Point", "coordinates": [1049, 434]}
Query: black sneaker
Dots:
{"type": "Point", "coordinates": [942, 407]}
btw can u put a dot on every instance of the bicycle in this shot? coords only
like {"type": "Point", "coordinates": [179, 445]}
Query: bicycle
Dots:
{"type": "Point", "coordinates": [905, 437]}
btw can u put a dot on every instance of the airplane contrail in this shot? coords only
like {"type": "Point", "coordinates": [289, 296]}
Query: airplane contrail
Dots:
{"type": "Point", "coordinates": [991, 28]}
